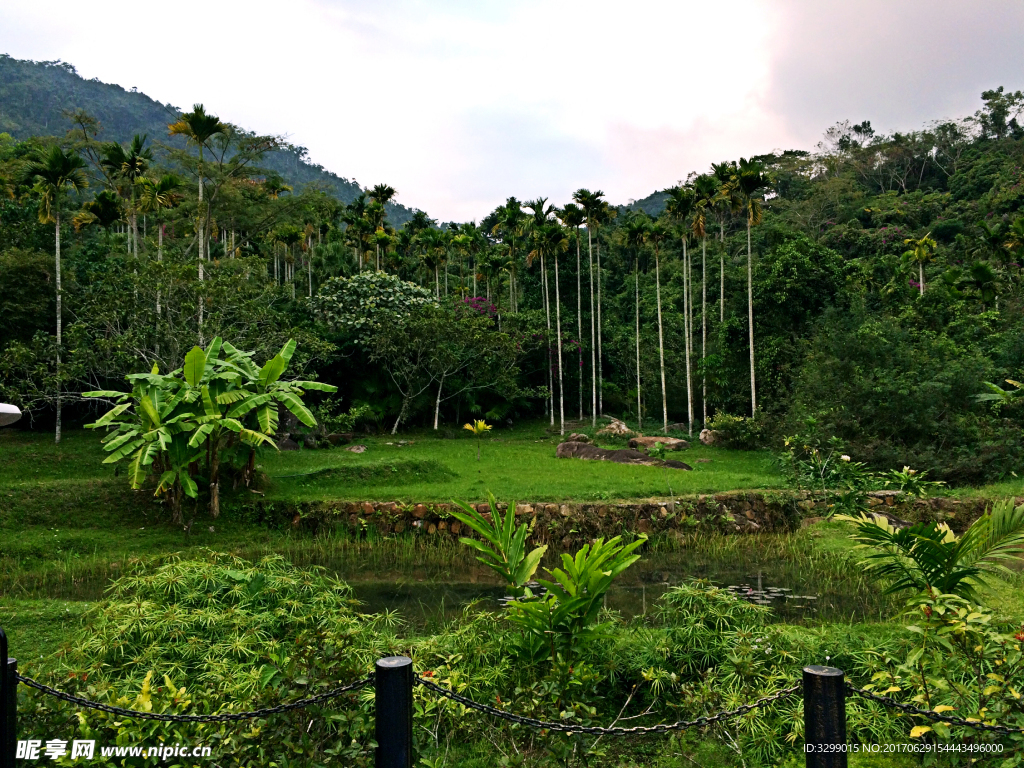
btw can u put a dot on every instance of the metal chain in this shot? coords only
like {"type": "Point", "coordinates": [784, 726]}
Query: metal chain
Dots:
{"type": "Point", "coordinates": [931, 715]}
{"type": "Point", "coordinates": [169, 718]}
{"type": "Point", "coordinates": [598, 730]}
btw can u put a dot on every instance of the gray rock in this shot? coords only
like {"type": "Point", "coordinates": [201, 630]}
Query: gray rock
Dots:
{"type": "Point", "coordinates": [708, 437]}
{"type": "Point", "coordinates": [670, 443]}
{"type": "Point", "coordinates": [356, 448]}
{"type": "Point", "coordinates": [287, 444]}
{"type": "Point", "coordinates": [574, 450]}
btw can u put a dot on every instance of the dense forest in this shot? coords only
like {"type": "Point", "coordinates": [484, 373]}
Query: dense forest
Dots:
{"type": "Point", "coordinates": [865, 292]}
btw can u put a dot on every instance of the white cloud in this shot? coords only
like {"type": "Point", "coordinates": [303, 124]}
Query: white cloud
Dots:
{"type": "Point", "coordinates": [460, 104]}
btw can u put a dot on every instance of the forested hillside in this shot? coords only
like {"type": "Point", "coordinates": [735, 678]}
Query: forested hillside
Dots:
{"type": "Point", "coordinates": [857, 297]}
{"type": "Point", "coordinates": [36, 95]}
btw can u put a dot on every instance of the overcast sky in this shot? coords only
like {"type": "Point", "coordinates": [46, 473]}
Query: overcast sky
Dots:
{"type": "Point", "coordinates": [459, 104]}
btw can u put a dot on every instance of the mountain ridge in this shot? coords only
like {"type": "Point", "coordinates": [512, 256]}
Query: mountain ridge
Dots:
{"type": "Point", "coordinates": [34, 95]}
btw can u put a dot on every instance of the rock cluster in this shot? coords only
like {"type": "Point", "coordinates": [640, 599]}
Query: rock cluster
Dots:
{"type": "Point", "coordinates": [573, 450]}
{"type": "Point", "coordinates": [708, 437]}
{"type": "Point", "coordinates": [670, 443]}
{"type": "Point", "coordinates": [616, 429]}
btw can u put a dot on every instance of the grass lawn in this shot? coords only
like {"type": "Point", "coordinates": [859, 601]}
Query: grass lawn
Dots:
{"type": "Point", "coordinates": [515, 464]}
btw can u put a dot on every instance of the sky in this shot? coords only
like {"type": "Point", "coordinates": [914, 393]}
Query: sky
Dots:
{"type": "Point", "coordinates": [460, 104]}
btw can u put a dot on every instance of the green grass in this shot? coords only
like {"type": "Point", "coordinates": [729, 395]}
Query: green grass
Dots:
{"type": "Point", "coordinates": [514, 464]}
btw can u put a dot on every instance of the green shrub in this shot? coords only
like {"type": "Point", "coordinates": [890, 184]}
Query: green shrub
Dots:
{"type": "Point", "coordinates": [741, 432]}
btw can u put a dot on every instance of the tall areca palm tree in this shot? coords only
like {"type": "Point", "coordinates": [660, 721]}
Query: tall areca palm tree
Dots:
{"type": "Point", "coordinates": [705, 189]}
{"type": "Point", "coordinates": [51, 174]}
{"type": "Point", "coordinates": [722, 172]}
{"type": "Point", "coordinates": [921, 251]}
{"type": "Point", "coordinates": [198, 128]}
{"type": "Point", "coordinates": [540, 215]}
{"type": "Point", "coordinates": [657, 235]}
{"type": "Point", "coordinates": [129, 165]}
{"type": "Point", "coordinates": [510, 226]}
{"type": "Point", "coordinates": [746, 183]}
{"type": "Point", "coordinates": [679, 208]}
{"type": "Point", "coordinates": [634, 234]}
{"type": "Point", "coordinates": [591, 204]}
{"type": "Point", "coordinates": [550, 241]}
{"type": "Point", "coordinates": [574, 217]}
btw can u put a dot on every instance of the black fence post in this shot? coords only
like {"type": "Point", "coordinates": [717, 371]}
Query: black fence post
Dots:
{"type": "Point", "coordinates": [8, 705]}
{"type": "Point", "coordinates": [393, 686]}
{"type": "Point", "coordinates": [824, 717]}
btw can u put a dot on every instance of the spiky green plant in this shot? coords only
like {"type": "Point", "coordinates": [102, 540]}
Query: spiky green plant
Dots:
{"type": "Point", "coordinates": [929, 557]}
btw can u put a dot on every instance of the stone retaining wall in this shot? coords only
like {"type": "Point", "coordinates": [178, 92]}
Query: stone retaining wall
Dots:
{"type": "Point", "coordinates": [569, 523]}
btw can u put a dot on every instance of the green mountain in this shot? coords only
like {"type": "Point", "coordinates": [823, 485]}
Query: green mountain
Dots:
{"type": "Point", "coordinates": [35, 94]}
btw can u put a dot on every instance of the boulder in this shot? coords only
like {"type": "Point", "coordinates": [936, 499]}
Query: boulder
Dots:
{"type": "Point", "coordinates": [356, 448]}
{"type": "Point", "coordinates": [616, 428]}
{"type": "Point", "coordinates": [708, 437]}
{"type": "Point", "coordinates": [577, 437]}
{"type": "Point", "coordinates": [339, 438]}
{"type": "Point", "coordinates": [677, 427]}
{"type": "Point", "coordinates": [670, 443]}
{"type": "Point", "coordinates": [309, 441]}
{"type": "Point", "coordinates": [287, 444]}
{"type": "Point", "coordinates": [623, 456]}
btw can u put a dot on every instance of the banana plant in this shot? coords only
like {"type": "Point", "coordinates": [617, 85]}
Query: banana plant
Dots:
{"type": "Point", "coordinates": [504, 547]}
{"type": "Point", "coordinates": [209, 405]}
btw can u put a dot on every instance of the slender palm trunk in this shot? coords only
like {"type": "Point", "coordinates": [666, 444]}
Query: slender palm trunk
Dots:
{"type": "Point", "coordinates": [437, 403]}
{"type": "Point", "coordinates": [593, 351]}
{"type": "Point", "coordinates": [636, 296]}
{"type": "Point", "coordinates": [558, 331]}
{"type": "Point", "coordinates": [437, 283]}
{"type": "Point", "coordinates": [56, 434]}
{"type": "Point", "coordinates": [309, 264]}
{"type": "Point", "coordinates": [750, 322]}
{"type": "Point", "coordinates": [661, 342]}
{"type": "Point", "coordinates": [579, 322]}
{"type": "Point", "coordinates": [686, 334]}
{"type": "Point", "coordinates": [159, 258]}
{"type": "Point", "coordinates": [547, 314]}
{"type": "Point", "coordinates": [721, 257]}
{"type": "Point", "coordinates": [920, 272]}
{"type": "Point", "coordinates": [202, 240]}
{"type": "Point", "coordinates": [600, 359]}
{"type": "Point", "coordinates": [703, 331]}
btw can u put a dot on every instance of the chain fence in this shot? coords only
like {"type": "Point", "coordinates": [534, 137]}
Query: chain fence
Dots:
{"type": "Point", "coordinates": [563, 727]}
{"type": "Point", "coordinates": [593, 730]}
{"type": "Point", "coordinates": [225, 717]}
{"type": "Point", "coordinates": [935, 717]}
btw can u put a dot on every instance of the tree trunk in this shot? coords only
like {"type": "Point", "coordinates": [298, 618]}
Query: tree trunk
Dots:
{"type": "Point", "coordinates": [686, 334]}
{"type": "Point", "coordinates": [159, 258]}
{"type": "Point", "coordinates": [558, 331]}
{"type": "Point", "coordinates": [309, 264]}
{"type": "Point", "coordinates": [56, 434]}
{"type": "Point", "coordinates": [401, 415]}
{"type": "Point", "coordinates": [600, 359]}
{"type": "Point", "coordinates": [437, 403]}
{"type": "Point", "coordinates": [661, 342]}
{"type": "Point", "coordinates": [547, 314]}
{"type": "Point", "coordinates": [636, 289]}
{"type": "Point", "coordinates": [920, 272]}
{"type": "Point", "coordinates": [593, 351]}
{"type": "Point", "coordinates": [703, 330]}
{"type": "Point", "coordinates": [750, 323]}
{"type": "Point", "coordinates": [721, 288]}
{"type": "Point", "coordinates": [579, 322]}
{"type": "Point", "coordinates": [202, 240]}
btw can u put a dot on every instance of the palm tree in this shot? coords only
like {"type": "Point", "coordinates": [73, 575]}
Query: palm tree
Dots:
{"type": "Point", "coordinates": [509, 226]}
{"type": "Point", "coordinates": [705, 188]}
{"type": "Point", "coordinates": [536, 224]}
{"type": "Point", "coordinates": [634, 236]}
{"type": "Point", "coordinates": [129, 165]}
{"type": "Point", "coordinates": [656, 235]}
{"type": "Point", "coordinates": [551, 241]}
{"type": "Point", "coordinates": [158, 196]}
{"type": "Point", "coordinates": [679, 207]}
{"type": "Point", "coordinates": [722, 172]}
{"type": "Point", "coordinates": [574, 217]}
{"type": "Point", "coordinates": [51, 174]}
{"type": "Point", "coordinates": [921, 250]}
{"type": "Point", "coordinates": [745, 184]}
{"type": "Point", "coordinates": [198, 128]}
{"type": "Point", "coordinates": [929, 556]}
{"type": "Point", "coordinates": [381, 195]}
{"type": "Point", "coordinates": [591, 204]}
